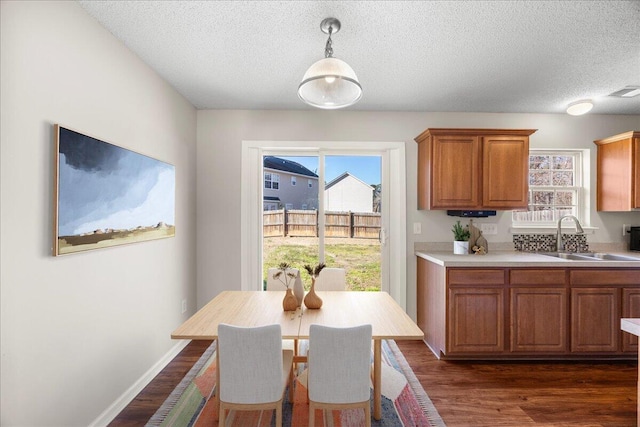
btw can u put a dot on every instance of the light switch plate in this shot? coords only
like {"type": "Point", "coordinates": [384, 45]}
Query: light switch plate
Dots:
{"type": "Point", "coordinates": [417, 228]}
{"type": "Point", "coordinates": [489, 228]}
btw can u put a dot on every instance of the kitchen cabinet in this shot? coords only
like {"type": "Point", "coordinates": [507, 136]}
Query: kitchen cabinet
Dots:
{"type": "Point", "coordinates": [527, 312]}
{"type": "Point", "coordinates": [473, 168]}
{"type": "Point", "coordinates": [476, 311]}
{"type": "Point", "coordinates": [630, 309]}
{"type": "Point", "coordinates": [595, 322]}
{"type": "Point", "coordinates": [538, 311]}
{"type": "Point", "coordinates": [603, 297]}
{"type": "Point", "coordinates": [618, 172]}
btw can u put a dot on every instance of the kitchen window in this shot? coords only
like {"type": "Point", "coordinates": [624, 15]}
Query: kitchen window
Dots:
{"type": "Point", "coordinates": [555, 188]}
{"type": "Point", "coordinates": [271, 180]}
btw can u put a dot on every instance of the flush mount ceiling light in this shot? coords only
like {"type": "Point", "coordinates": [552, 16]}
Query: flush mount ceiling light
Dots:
{"type": "Point", "coordinates": [579, 108]}
{"type": "Point", "coordinates": [330, 83]}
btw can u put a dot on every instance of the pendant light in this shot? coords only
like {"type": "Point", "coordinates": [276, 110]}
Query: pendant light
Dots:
{"type": "Point", "coordinates": [330, 83]}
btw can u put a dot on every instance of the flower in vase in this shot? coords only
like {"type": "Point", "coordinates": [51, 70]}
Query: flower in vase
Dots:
{"type": "Point", "coordinates": [284, 274]}
{"type": "Point", "coordinates": [314, 271]}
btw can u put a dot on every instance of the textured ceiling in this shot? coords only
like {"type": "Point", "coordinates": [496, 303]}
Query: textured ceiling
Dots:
{"type": "Point", "coordinates": [473, 56]}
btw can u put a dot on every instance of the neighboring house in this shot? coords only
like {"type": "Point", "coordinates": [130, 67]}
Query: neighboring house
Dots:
{"type": "Point", "coordinates": [288, 185]}
{"type": "Point", "coordinates": [348, 193]}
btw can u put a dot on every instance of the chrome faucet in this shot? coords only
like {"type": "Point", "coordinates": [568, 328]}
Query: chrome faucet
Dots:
{"type": "Point", "coordinates": [579, 230]}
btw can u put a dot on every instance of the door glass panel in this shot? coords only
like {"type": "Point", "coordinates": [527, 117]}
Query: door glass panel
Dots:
{"type": "Point", "coordinates": [290, 214]}
{"type": "Point", "coordinates": [351, 209]}
{"type": "Point", "coordinates": [352, 196]}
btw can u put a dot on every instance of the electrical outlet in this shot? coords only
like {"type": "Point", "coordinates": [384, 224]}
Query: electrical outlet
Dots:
{"type": "Point", "coordinates": [417, 228]}
{"type": "Point", "coordinates": [624, 229]}
{"type": "Point", "coordinates": [489, 228]}
{"type": "Point", "coordinates": [184, 306]}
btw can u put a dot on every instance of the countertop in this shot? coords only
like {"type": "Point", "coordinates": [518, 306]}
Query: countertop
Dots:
{"type": "Point", "coordinates": [631, 325]}
{"type": "Point", "coordinates": [519, 259]}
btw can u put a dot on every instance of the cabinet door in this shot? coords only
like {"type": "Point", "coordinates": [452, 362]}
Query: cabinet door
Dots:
{"type": "Point", "coordinates": [630, 308]}
{"type": "Point", "coordinates": [475, 320]}
{"type": "Point", "coordinates": [455, 178]}
{"type": "Point", "coordinates": [636, 169]}
{"type": "Point", "coordinates": [614, 176]}
{"type": "Point", "coordinates": [538, 319]}
{"type": "Point", "coordinates": [595, 319]}
{"type": "Point", "coordinates": [505, 167]}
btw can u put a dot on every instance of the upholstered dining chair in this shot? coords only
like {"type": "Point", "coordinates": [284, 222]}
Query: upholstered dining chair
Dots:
{"type": "Point", "coordinates": [339, 369]}
{"type": "Point", "coordinates": [331, 279]}
{"type": "Point", "coordinates": [254, 370]}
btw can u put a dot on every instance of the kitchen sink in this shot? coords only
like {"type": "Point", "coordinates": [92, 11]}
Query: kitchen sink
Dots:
{"type": "Point", "coordinates": [615, 257]}
{"type": "Point", "coordinates": [591, 256]}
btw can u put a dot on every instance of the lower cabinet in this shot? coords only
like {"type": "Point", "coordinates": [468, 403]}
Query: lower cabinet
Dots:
{"type": "Point", "coordinates": [499, 313]}
{"type": "Point", "coordinates": [538, 320]}
{"type": "Point", "coordinates": [476, 319]}
{"type": "Point", "coordinates": [630, 308]}
{"type": "Point", "coordinates": [595, 319]}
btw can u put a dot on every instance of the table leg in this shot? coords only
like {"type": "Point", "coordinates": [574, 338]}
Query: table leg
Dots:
{"type": "Point", "coordinates": [216, 387]}
{"type": "Point", "coordinates": [377, 379]}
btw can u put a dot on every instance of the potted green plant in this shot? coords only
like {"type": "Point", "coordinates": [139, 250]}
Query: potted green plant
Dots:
{"type": "Point", "coordinates": [460, 238]}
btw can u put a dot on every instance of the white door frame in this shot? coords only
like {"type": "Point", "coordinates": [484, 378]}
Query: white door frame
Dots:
{"type": "Point", "coordinates": [393, 204]}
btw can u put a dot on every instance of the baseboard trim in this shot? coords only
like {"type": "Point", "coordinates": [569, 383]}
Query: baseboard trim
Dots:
{"type": "Point", "coordinates": [120, 403]}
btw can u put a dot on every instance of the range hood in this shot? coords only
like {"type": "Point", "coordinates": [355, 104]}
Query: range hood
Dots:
{"type": "Point", "coordinates": [472, 214]}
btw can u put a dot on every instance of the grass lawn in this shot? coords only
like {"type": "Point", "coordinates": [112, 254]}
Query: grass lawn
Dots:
{"type": "Point", "coordinates": [359, 257]}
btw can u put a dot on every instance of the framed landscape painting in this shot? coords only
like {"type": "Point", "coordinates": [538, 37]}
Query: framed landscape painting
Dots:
{"type": "Point", "coordinates": [106, 195]}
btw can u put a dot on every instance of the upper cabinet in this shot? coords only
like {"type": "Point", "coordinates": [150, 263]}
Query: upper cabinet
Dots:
{"type": "Point", "coordinates": [618, 174]}
{"type": "Point", "coordinates": [473, 168]}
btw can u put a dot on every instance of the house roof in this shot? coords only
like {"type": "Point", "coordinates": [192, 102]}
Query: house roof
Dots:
{"type": "Point", "coordinates": [343, 176]}
{"type": "Point", "coordinates": [277, 163]}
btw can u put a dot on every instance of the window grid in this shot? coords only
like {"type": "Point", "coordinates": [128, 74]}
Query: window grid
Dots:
{"type": "Point", "coordinates": [271, 180]}
{"type": "Point", "coordinates": [554, 188]}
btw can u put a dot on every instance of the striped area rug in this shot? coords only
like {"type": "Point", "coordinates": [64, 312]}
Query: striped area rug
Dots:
{"type": "Point", "coordinates": [404, 401]}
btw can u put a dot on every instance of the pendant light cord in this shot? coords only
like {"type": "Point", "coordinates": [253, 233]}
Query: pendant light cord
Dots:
{"type": "Point", "coordinates": [328, 50]}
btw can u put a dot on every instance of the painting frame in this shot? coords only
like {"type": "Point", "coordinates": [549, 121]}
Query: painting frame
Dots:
{"type": "Point", "coordinates": [106, 195]}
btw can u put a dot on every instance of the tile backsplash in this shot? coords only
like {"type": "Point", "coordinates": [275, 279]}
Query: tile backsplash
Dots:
{"type": "Point", "coordinates": [547, 242]}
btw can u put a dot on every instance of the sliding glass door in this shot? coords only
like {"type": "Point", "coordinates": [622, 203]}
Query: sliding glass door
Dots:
{"type": "Point", "coordinates": [324, 207]}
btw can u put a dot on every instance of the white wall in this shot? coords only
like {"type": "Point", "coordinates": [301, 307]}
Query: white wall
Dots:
{"type": "Point", "coordinates": [219, 149]}
{"type": "Point", "coordinates": [77, 331]}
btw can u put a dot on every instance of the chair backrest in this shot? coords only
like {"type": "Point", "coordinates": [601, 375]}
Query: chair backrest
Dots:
{"type": "Point", "coordinates": [339, 364]}
{"type": "Point", "coordinates": [250, 363]}
{"type": "Point", "coordinates": [331, 279]}
{"type": "Point", "coordinates": [276, 284]}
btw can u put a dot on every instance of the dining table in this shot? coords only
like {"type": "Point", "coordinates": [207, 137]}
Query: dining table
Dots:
{"type": "Point", "coordinates": [339, 309]}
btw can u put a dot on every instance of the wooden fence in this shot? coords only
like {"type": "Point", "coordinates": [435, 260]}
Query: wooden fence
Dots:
{"type": "Point", "coordinates": [304, 223]}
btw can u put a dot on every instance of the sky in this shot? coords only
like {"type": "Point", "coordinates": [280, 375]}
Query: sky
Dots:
{"type": "Point", "coordinates": [365, 168]}
{"type": "Point", "coordinates": [104, 186]}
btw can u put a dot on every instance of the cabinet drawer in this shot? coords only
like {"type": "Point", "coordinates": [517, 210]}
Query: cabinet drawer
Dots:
{"type": "Point", "coordinates": [476, 277]}
{"type": "Point", "coordinates": [537, 277]}
{"type": "Point", "coordinates": [605, 277]}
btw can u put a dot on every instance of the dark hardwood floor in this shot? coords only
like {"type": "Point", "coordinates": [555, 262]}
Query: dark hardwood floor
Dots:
{"type": "Point", "coordinates": [475, 394]}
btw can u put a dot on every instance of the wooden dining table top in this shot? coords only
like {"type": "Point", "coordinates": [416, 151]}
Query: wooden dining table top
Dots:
{"type": "Point", "coordinates": [339, 309]}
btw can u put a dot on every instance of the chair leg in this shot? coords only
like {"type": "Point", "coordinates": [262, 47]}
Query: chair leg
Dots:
{"type": "Point", "coordinates": [291, 385]}
{"type": "Point", "coordinates": [221, 416]}
{"type": "Point", "coordinates": [312, 414]}
{"type": "Point", "coordinates": [279, 415]}
{"type": "Point", "coordinates": [367, 415]}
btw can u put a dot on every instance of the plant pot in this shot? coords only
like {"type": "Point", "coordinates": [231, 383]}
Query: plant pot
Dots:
{"type": "Point", "coordinates": [298, 290]}
{"type": "Point", "coordinates": [289, 303]}
{"type": "Point", "coordinates": [460, 248]}
{"type": "Point", "coordinates": [312, 300]}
